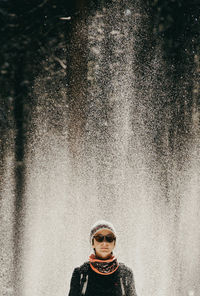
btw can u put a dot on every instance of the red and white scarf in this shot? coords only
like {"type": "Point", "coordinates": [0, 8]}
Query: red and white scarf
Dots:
{"type": "Point", "coordinates": [104, 267]}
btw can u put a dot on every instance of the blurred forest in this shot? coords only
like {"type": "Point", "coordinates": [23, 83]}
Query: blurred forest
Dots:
{"type": "Point", "coordinates": [37, 38]}
{"type": "Point", "coordinates": [32, 31]}
{"type": "Point", "coordinates": [36, 31]}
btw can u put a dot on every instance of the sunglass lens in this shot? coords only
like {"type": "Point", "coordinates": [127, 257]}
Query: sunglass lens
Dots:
{"type": "Point", "coordinates": [109, 238]}
{"type": "Point", "coordinates": [99, 238]}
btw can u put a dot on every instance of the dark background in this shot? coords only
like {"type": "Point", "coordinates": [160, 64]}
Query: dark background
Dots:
{"type": "Point", "coordinates": [34, 31]}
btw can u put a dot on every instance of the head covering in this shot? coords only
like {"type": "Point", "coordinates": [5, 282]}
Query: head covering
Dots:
{"type": "Point", "coordinates": [102, 224]}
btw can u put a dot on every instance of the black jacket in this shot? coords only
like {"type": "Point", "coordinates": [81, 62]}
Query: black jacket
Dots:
{"type": "Point", "coordinates": [87, 282]}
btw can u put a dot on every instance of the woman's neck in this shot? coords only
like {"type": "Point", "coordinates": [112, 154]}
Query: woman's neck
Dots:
{"type": "Point", "coordinates": [100, 258]}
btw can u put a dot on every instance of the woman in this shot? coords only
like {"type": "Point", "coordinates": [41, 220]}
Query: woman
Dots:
{"type": "Point", "coordinates": [102, 275]}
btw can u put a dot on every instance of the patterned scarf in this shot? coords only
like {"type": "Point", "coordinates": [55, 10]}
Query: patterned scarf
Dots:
{"type": "Point", "coordinates": [104, 267]}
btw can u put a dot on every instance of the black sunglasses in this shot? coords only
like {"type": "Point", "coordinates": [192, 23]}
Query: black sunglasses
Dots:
{"type": "Point", "coordinates": [108, 238]}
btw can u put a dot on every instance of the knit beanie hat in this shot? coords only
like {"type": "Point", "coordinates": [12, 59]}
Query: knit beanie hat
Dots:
{"type": "Point", "coordinates": [102, 224]}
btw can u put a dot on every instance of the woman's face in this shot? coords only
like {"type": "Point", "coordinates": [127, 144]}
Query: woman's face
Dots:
{"type": "Point", "coordinates": [103, 249]}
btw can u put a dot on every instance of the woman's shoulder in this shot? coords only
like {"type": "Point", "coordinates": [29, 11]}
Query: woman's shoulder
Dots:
{"type": "Point", "coordinates": [124, 269]}
{"type": "Point", "coordinates": [82, 268]}
{"type": "Point", "coordinates": [80, 271]}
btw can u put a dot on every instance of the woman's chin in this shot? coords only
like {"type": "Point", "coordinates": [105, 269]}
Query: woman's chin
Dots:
{"type": "Point", "coordinates": [104, 256]}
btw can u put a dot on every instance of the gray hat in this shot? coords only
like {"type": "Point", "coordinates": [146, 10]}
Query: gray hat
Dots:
{"type": "Point", "coordinates": [102, 224]}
